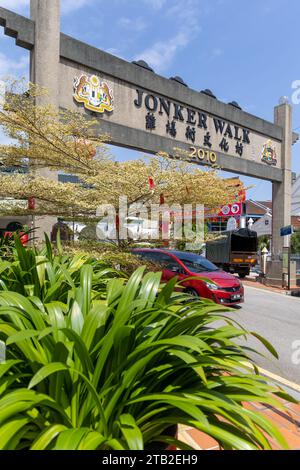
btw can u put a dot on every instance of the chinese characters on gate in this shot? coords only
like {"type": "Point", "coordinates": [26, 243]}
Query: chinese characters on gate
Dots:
{"type": "Point", "coordinates": [194, 121]}
{"type": "Point", "coordinates": [206, 133]}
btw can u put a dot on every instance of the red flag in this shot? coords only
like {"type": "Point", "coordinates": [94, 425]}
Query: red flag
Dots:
{"type": "Point", "coordinates": [151, 184]}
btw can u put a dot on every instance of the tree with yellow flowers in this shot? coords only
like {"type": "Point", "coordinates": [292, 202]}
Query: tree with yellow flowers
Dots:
{"type": "Point", "coordinates": [63, 140]}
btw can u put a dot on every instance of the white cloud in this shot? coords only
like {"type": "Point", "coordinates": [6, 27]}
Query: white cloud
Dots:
{"type": "Point", "coordinates": [10, 67]}
{"type": "Point", "coordinates": [136, 24]}
{"type": "Point", "coordinates": [216, 52]}
{"type": "Point", "coordinates": [67, 6]}
{"type": "Point", "coordinates": [112, 50]}
{"type": "Point", "coordinates": [14, 4]}
{"type": "Point", "coordinates": [161, 54]}
{"type": "Point", "coordinates": [156, 4]}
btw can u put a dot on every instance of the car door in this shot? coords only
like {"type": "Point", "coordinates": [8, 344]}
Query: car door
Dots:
{"type": "Point", "coordinates": [171, 268]}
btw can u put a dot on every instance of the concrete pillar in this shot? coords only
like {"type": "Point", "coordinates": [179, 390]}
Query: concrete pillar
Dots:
{"type": "Point", "coordinates": [44, 71]}
{"type": "Point", "coordinates": [282, 191]}
{"type": "Point", "coordinates": [45, 56]}
{"type": "Point", "coordinates": [281, 195]}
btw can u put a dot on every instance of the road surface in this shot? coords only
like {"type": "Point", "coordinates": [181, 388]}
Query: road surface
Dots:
{"type": "Point", "coordinates": [277, 318]}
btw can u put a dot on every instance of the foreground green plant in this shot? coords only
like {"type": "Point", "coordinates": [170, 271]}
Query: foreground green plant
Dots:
{"type": "Point", "coordinates": [49, 274]}
{"type": "Point", "coordinates": [87, 371]}
{"type": "Point", "coordinates": [6, 246]}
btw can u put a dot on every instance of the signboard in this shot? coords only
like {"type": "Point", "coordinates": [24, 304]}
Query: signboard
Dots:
{"type": "Point", "coordinates": [231, 210]}
{"type": "Point", "coordinates": [285, 231]}
{"type": "Point", "coordinates": [203, 134]}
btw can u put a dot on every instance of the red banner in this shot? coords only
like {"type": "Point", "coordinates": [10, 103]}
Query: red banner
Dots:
{"type": "Point", "coordinates": [31, 203]}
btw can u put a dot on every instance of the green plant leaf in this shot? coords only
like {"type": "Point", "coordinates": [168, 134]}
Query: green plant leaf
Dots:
{"type": "Point", "coordinates": [21, 336]}
{"type": "Point", "coordinates": [131, 432]}
{"type": "Point", "coordinates": [266, 343]}
{"type": "Point", "coordinates": [86, 278]}
{"type": "Point", "coordinates": [10, 429]}
{"type": "Point", "coordinates": [46, 437]}
{"type": "Point", "coordinates": [7, 365]}
{"type": "Point", "coordinates": [45, 371]}
{"type": "Point", "coordinates": [70, 439]}
{"type": "Point", "coordinates": [76, 318]}
{"type": "Point", "coordinates": [92, 441]}
{"type": "Point", "coordinates": [58, 243]}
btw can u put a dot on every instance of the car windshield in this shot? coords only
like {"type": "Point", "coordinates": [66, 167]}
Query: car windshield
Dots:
{"type": "Point", "coordinates": [196, 263]}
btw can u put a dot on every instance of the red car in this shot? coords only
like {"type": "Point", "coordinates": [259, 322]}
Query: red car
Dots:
{"type": "Point", "coordinates": [223, 288]}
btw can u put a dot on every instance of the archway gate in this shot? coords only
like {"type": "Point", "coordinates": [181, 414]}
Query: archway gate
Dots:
{"type": "Point", "coordinates": [144, 111]}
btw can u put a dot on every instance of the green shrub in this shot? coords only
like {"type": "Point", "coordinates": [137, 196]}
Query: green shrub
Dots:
{"type": "Point", "coordinates": [295, 243]}
{"type": "Point", "coordinates": [86, 370]}
{"type": "Point", "coordinates": [47, 275]}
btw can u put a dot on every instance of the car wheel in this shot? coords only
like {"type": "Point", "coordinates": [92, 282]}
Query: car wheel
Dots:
{"type": "Point", "coordinates": [192, 292]}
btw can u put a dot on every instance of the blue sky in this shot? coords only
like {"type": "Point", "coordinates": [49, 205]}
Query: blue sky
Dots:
{"type": "Point", "coordinates": [244, 51]}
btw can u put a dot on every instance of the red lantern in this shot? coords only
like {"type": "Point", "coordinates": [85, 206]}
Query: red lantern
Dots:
{"type": "Point", "coordinates": [151, 184]}
{"type": "Point", "coordinates": [31, 203]}
{"type": "Point", "coordinates": [24, 238]}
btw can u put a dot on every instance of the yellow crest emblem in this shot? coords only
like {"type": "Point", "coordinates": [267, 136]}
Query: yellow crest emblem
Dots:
{"type": "Point", "coordinates": [95, 95]}
{"type": "Point", "coordinates": [269, 153]}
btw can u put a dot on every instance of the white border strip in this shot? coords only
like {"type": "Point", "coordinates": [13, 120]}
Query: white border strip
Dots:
{"type": "Point", "coordinates": [276, 378]}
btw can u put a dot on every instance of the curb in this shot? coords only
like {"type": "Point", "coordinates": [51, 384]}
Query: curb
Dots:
{"type": "Point", "coordinates": [275, 290]}
{"type": "Point", "coordinates": [276, 378]}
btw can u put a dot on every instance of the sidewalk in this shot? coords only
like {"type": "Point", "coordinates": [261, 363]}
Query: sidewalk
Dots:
{"type": "Point", "coordinates": [251, 282]}
{"type": "Point", "coordinates": [287, 422]}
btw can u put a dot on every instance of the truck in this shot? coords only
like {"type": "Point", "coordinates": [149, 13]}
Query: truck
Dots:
{"type": "Point", "coordinates": [234, 252]}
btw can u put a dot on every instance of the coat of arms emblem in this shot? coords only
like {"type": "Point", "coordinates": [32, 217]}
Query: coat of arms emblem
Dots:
{"type": "Point", "coordinates": [96, 95]}
{"type": "Point", "coordinates": [269, 154]}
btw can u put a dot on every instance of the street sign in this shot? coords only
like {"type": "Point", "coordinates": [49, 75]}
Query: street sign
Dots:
{"type": "Point", "coordinates": [288, 230]}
